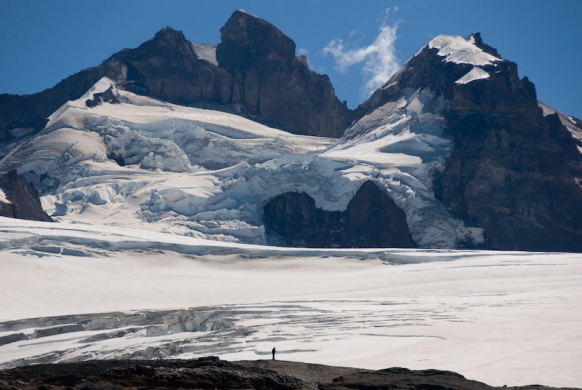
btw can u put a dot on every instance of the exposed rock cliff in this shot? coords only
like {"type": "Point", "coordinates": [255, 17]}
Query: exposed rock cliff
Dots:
{"type": "Point", "coordinates": [18, 199]}
{"type": "Point", "coordinates": [270, 82]}
{"type": "Point", "coordinates": [513, 170]}
{"type": "Point", "coordinates": [371, 220]}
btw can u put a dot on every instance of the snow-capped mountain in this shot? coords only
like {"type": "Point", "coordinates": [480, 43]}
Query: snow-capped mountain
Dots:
{"type": "Point", "coordinates": [253, 71]}
{"type": "Point", "coordinates": [514, 167]}
{"type": "Point", "coordinates": [166, 199]}
{"type": "Point", "coordinates": [453, 151]}
{"type": "Point", "coordinates": [138, 162]}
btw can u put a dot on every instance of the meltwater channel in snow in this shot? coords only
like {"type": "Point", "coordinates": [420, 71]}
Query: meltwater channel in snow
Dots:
{"type": "Point", "coordinates": [74, 292]}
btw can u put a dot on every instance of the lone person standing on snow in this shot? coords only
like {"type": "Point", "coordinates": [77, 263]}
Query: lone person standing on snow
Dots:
{"type": "Point", "coordinates": [273, 352]}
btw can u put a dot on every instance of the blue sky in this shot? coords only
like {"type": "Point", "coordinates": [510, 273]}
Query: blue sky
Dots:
{"type": "Point", "coordinates": [44, 41]}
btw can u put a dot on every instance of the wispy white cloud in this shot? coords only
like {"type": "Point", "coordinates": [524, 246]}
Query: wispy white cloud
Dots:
{"type": "Point", "coordinates": [379, 58]}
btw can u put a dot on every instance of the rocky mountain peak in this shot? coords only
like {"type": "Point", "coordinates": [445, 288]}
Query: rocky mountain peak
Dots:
{"type": "Point", "coordinates": [513, 168]}
{"type": "Point", "coordinates": [246, 38]}
{"type": "Point", "coordinates": [169, 35]}
{"type": "Point", "coordinates": [454, 66]}
{"type": "Point", "coordinates": [253, 72]}
{"type": "Point", "coordinates": [166, 43]}
{"type": "Point", "coordinates": [483, 46]}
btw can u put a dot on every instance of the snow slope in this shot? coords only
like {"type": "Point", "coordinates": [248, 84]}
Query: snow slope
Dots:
{"type": "Point", "coordinates": [498, 317]}
{"type": "Point", "coordinates": [139, 162]}
{"type": "Point", "coordinates": [400, 146]}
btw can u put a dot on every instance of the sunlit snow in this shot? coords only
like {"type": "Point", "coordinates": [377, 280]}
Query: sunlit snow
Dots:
{"type": "Point", "coordinates": [3, 198]}
{"type": "Point", "coordinates": [474, 74]}
{"type": "Point", "coordinates": [461, 50]}
{"type": "Point", "coordinates": [498, 317]}
{"type": "Point", "coordinates": [165, 256]}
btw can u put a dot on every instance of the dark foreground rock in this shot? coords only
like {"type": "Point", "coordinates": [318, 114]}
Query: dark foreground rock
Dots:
{"type": "Point", "coordinates": [213, 373]}
{"type": "Point", "coordinates": [23, 201]}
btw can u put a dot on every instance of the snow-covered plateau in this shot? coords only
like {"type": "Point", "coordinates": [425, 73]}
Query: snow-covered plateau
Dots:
{"type": "Point", "coordinates": [73, 292]}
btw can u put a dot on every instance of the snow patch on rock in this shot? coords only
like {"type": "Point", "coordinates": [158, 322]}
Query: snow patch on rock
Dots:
{"type": "Point", "coordinates": [461, 50]}
{"type": "Point", "coordinates": [3, 198]}
{"type": "Point", "coordinates": [475, 74]}
{"type": "Point", "coordinates": [206, 52]}
{"type": "Point", "coordinates": [567, 121]}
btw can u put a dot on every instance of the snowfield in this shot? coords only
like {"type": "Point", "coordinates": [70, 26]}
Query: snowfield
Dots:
{"type": "Point", "coordinates": [95, 292]}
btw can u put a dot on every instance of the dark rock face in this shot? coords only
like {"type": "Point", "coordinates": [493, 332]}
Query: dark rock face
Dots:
{"type": "Point", "coordinates": [257, 75]}
{"type": "Point", "coordinates": [371, 220]}
{"type": "Point", "coordinates": [203, 373]}
{"type": "Point", "coordinates": [513, 171]}
{"type": "Point", "coordinates": [213, 373]}
{"type": "Point", "coordinates": [32, 111]}
{"type": "Point", "coordinates": [271, 83]}
{"type": "Point", "coordinates": [108, 96]}
{"type": "Point", "coordinates": [168, 67]}
{"type": "Point", "coordinates": [23, 198]}
{"type": "Point", "coordinates": [516, 176]}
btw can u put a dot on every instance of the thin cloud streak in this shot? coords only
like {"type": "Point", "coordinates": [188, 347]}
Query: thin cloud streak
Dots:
{"type": "Point", "coordinates": [379, 59]}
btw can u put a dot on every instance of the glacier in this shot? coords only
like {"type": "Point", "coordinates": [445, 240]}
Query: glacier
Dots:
{"type": "Point", "coordinates": [73, 292]}
{"type": "Point", "coordinates": [142, 163]}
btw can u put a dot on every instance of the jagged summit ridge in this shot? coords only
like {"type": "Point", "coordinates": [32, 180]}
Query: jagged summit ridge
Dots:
{"type": "Point", "coordinates": [510, 170]}
{"type": "Point", "coordinates": [169, 67]}
{"type": "Point", "coordinates": [246, 38]}
{"type": "Point", "coordinates": [168, 33]}
{"type": "Point", "coordinates": [447, 66]}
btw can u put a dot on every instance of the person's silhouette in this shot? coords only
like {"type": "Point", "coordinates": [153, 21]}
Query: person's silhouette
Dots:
{"type": "Point", "coordinates": [273, 352]}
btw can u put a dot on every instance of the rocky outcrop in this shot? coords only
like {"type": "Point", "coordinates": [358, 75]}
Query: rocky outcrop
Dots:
{"type": "Point", "coordinates": [270, 82]}
{"type": "Point", "coordinates": [257, 75]}
{"type": "Point", "coordinates": [170, 68]}
{"type": "Point", "coordinates": [371, 220]}
{"type": "Point", "coordinates": [24, 115]}
{"type": "Point", "coordinates": [213, 373]}
{"type": "Point", "coordinates": [513, 171]}
{"type": "Point", "coordinates": [20, 199]}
